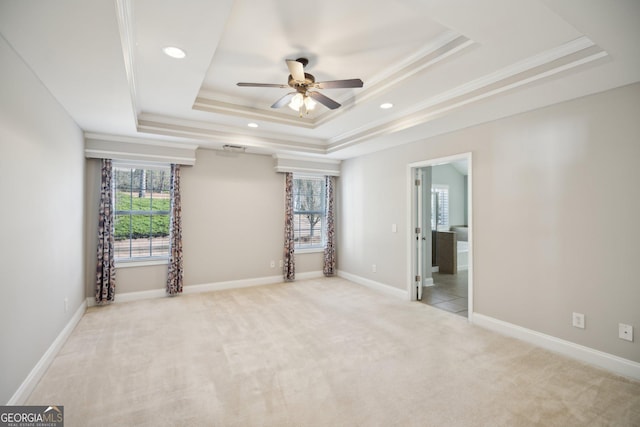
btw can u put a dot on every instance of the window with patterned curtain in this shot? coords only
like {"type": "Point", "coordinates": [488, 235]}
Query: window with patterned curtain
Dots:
{"type": "Point", "coordinates": [142, 211]}
{"type": "Point", "coordinates": [309, 212]}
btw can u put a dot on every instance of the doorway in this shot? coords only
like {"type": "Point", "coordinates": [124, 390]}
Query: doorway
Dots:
{"type": "Point", "coordinates": [440, 238]}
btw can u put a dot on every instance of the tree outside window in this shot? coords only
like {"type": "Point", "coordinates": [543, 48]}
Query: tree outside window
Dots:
{"type": "Point", "coordinates": [309, 211]}
{"type": "Point", "coordinates": [142, 211]}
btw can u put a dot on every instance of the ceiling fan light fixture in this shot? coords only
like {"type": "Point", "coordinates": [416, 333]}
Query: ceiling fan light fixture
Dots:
{"type": "Point", "coordinates": [309, 103]}
{"type": "Point", "coordinates": [174, 52]}
{"type": "Point", "coordinates": [296, 102]}
{"type": "Point", "coordinates": [302, 100]}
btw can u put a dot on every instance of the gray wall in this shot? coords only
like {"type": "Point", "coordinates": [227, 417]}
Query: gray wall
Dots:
{"type": "Point", "coordinates": [41, 220]}
{"type": "Point", "coordinates": [233, 219]}
{"type": "Point", "coordinates": [555, 212]}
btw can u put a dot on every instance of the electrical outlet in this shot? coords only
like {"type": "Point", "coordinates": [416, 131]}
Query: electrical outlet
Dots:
{"type": "Point", "coordinates": [374, 268]}
{"type": "Point", "coordinates": [272, 264]}
{"type": "Point", "coordinates": [625, 332]}
{"type": "Point", "coordinates": [578, 320]}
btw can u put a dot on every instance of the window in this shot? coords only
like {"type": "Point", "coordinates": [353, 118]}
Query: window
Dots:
{"type": "Point", "coordinates": [309, 211]}
{"type": "Point", "coordinates": [142, 210]}
{"type": "Point", "coordinates": [440, 207]}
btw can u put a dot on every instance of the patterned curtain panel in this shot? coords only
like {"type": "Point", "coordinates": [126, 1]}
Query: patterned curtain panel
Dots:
{"type": "Point", "coordinates": [174, 277]}
{"type": "Point", "coordinates": [289, 268]}
{"type": "Point", "coordinates": [330, 246]}
{"type": "Point", "coordinates": [105, 268]}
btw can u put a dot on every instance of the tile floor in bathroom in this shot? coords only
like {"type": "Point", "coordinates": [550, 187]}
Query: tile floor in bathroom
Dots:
{"type": "Point", "coordinates": [449, 292]}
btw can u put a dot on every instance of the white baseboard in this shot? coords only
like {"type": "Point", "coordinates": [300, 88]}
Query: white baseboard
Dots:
{"type": "Point", "coordinates": [231, 284]}
{"type": "Point", "coordinates": [310, 275]}
{"type": "Point", "coordinates": [29, 384]}
{"type": "Point", "coordinates": [428, 282]}
{"type": "Point", "coordinates": [610, 362]}
{"type": "Point", "coordinates": [246, 283]}
{"type": "Point", "coordinates": [389, 290]}
{"type": "Point", "coordinates": [208, 287]}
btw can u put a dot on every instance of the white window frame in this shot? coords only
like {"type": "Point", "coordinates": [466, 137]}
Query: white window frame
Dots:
{"type": "Point", "coordinates": [323, 231]}
{"type": "Point", "coordinates": [440, 188]}
{"type": "Point", "coordinates": [123, 262]}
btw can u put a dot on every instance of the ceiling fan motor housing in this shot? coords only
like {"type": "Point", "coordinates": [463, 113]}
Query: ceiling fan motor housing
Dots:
{"type": "Point", "coordinates": [308, 81]}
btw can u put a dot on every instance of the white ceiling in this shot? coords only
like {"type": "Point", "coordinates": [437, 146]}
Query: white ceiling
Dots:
{"type": "Point", "coordinates": [444, 64]}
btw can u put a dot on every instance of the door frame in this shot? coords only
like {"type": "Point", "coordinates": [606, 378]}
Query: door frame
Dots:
{"type": "Point", "coordinates": [412, 221]}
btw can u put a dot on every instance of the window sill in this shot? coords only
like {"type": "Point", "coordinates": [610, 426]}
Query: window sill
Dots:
{"type": "Point", "coordinates": [308, 250]}
{"type": "Point", "coordinates": [141, 263]}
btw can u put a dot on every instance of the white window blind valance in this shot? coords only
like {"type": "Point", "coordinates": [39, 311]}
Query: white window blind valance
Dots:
{"type": "Point", "coordinates": [138, 150]}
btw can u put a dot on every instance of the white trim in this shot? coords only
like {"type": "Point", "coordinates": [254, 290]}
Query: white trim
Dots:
{"type": "Point", "coordinates": [610, 362]}
{"type": "Point", "coordinates": [29, 384]}
{"type": "Point", "coordinates": [511, 77]}
{"type": "Point", "coordinates": [427, 282]}
{"type": "Point", "coordinates": [108, 154]}
{"type": "Point", "coordinates": [143, 141]}
{"type": "Point", "coordinates": [207, 287]}
{"type": "Point", "coordinates": [411, 220]}
{"type": "Point", "coordinates": [125, 26]}
{"type": "Point", "coordinates": [147, 263]}
{"type": "Point", "coordinates": [310, 275]}
{"type": "Point", "coordinates": [232, 284]}
{"type": "Point", "coordinates": [317, 250]}
{"type": "Point", "coordinates": [303, 169]}
{"type": "Point", "coordinates": [372, 284]}
{"type": "Point", "coordinates": [307, 158]}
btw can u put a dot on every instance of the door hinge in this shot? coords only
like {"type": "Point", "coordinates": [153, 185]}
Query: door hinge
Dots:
{"type": "Point", "coordinates": [417, 182]}
{"type": "Point", "coordinates": [418, 230]}
{"type": "Point", "coordinates": [418, 278]}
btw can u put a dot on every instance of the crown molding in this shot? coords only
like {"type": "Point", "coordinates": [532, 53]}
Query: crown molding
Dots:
{"type": "Point", "coordinates": [215, 136]}
{"type": "Point", "coordinates": [134, 140]}
{"type": "Point", "coordinates": [104, 146]}
{"type": "Point", "coordinates": [562, 58]}
{"type": "Point", "coordinates": [212, 106]}
{"type": "Point", "coordinates": [437, 50]}
{"type": "Point", "coordinates": [570, 55]}
{"type": "Point", "coordinates": [124, 15]}
{"type": "Point", "coordinates": [307, 158]}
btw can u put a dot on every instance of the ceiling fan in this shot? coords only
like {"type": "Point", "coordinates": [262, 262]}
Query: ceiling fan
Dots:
{"type": "Point", "coordinates": [303, 99]}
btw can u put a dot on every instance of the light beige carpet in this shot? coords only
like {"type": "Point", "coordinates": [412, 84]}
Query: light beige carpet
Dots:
{"type": "Point", "coordinates": [320, 352]}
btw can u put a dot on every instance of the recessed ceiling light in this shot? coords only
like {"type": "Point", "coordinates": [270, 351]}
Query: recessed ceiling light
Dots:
{"type": "Point", "coordinates": [386, 105]}
{"type": "Point", "coordinates": [253, 125]}
{"type": "Point", "coordinates": [174, 52]}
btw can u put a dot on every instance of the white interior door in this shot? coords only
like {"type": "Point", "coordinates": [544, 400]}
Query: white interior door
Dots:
{"type": "Point", "coordinates": [419, 231]}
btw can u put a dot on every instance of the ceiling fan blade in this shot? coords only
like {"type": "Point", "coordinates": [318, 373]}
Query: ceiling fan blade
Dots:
{"type": "Point", "coordinates": [324, 100]}
{"type": "Point", "coordinates": [262, 85]}
{"type": "Point", "coordinates": [296, 69]}
{"type": "Point", "coordinates": [333, 84]}
{"type": "Point", "coordinates": [284, 100]}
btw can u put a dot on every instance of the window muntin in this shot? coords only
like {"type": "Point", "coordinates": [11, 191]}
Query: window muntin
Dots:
{"type": "Point", "coordinates": [142, 212]}
{"type": "Point", "coordinates": [309, 211]}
